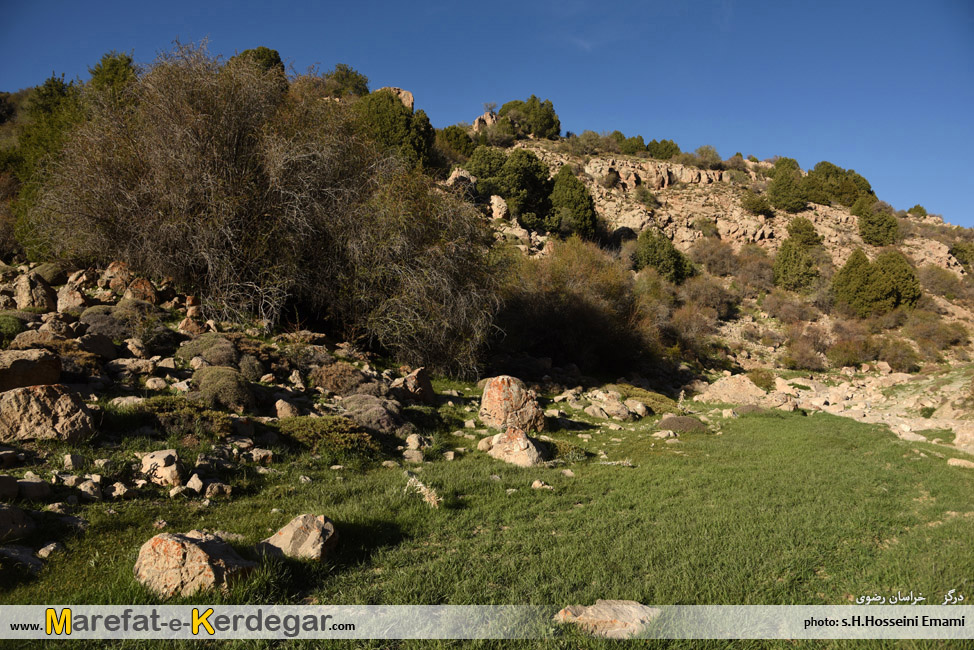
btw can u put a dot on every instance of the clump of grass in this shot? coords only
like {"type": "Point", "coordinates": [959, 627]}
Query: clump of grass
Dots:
{"type": "Point", "coordinates": [429, 495]}
{"type": "Point", "coordinates": [927, 411]}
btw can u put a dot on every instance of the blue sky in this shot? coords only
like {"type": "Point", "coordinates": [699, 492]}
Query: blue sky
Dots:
{"type": "Point", "coordinates": [886, 88]}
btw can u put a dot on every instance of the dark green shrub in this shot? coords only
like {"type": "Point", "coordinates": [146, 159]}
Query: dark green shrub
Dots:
{"type": "Point", "coordinates": [632, 146]}
{"type": "Point", "coordinates": [345, 81]}
{"type": "Point", "coordinates": [654, 249]}
{"type": "Point", "coordinates": [265, 58]}
{"type": "Point", "coordinates": [860, 287]}
{"type": "Point", "coordinates": [532, 117]}
{"type": "Point", "coordinates": [385, 120]}
{"type": "Point", "coordinates": [878, 228]}
{"type": "Point", "coordinates": [662, 150]}
{"type": "Point", "coordinates": [918, 211]}
{"type": "Point", "coordinates": [486, 162]}
{"type": "Point", "coordinates": [827, 183]}
{"type": "Point", "coordinates": [794, 267]}
{"type": "Point", "coordinates": [221, 387]}
{"type": "Point", "coordinates": [336, 439]}
{"type": "Point", "coordinates": [454, 144]}
{"type": "Point", "coordinates": [786, 191]}
{"type": "Point", "coordinates": [928, 411]}
{"type": "Point", "coordinates": [906, 284]}
{"type": "Point", "coordinates": [756, 204]}
{"type": "Point", "coordinates": [567, 451]}
{"type": "Point", "coordinates": [658, 403]}
{"type": "Point", "coordinates": [803, 232]}
{"type": "Point", "coordinates": [572, 207]}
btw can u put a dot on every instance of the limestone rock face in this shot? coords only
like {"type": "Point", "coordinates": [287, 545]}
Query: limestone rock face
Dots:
{"type": "Point", "coordinates": [19, 368]}
{"type": "Point", "coordinates": [488, 119]}
{"type": "Point", "coordinates": [508, 403]}
{"type": "Point", "coordinates": [183, 564]}
{"type": "Point", "coordinates": [515, 447]}
{"type": "Point", "coordinates": [31, 291]}
{"type": "Point", "coordinates": [404, 96]}
{"type": "Point", "coordinates": [611, 619]}
{"type": "Point", "coordinates": [305, 537]}
{"type": "Point", "coordinates": [44, 413]}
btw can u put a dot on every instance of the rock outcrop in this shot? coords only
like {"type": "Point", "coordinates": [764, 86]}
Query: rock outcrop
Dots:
{"type": "Point", "coordinates": [44, 413]}
{"type": "Point", "coordinates": [513, 446]}
{"type": "Point", "coordinates": [19, 368]}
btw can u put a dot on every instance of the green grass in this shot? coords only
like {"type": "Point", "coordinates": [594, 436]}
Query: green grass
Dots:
{"type": "Point", "coordinates": [778, 509]}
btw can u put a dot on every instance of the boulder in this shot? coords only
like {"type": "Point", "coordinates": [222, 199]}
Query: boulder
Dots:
{"type": "Point", "coordinates": [44, 413]}
{"type": "Point", "coordinates": [183, 564]}
{"type": "Point", "coordinates": [498, 208]}
{"type": "Point", "coordinates": [33, 489]}
{"type": "Point", "coordinates": [141, 289]}
{"type": "Point", "coordinates": [611, 619]}
{"type": "Point", "coordinates": [681, 424]}
{"type": "Point", "coordinates": [14, 524]}
{"type": "Point", "coordinates": [19, 368]}
{"type": "Point", "coordinates": [376, 414]}
{"type": "Point", "coordinates": [416, 386]}
{"type": "Point", "coordinates": [71, 300]}
{"type": "Point", "coordinates": [960, 462]}
{"type": "Point", "coordinates": [515, 447]}
{"type": "Point", "coordinates": [31, 291]}
{"type": "Point", "coordinates": [162, 467]}
{"type": "Point", "coordinates": [8, 488]}
{"type": "Point", "coordinates": [306, 537]}
{"type": "Point", "coordinates": [506, 403]}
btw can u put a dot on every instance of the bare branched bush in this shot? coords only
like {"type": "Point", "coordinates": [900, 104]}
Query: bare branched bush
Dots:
{"type": "Point", "coordinates": [256, 192]}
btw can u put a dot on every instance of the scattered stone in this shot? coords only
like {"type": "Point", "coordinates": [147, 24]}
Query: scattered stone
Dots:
{"type": "Point", "coordinates": [960, 462]}
{"type": "Point", "coordinates": [665, 434]}
{"type": "Point", "coordinates": [416, 441]}
{"type": "Point", "coordinates": [390, 463]}
{"type": "Point", "coordinates": [116, 491]}
{"type": "Point", "coordinates": [538, 484]}
{"type": "Point", "coordinates": [286, 409]}
{"type": "Point", "coordinates": [515, 447]}
{"type": "Point", "coordinates": [156, 383]}
{"type": "Point", "coordinates": [413, 456]}
{"type": "Point", "coordinates": [449, 455]}
{"type": "Point", "coordinates": [44, 413]}
{"type": "Point", "coordinates": [259, 456]}
{"type": "Point", "coordinates": [50, 549]}
{"type": "Point", "coordinates": [73, 461]}
{"type": "Point", "coordinates": [611, 619]}
{"type": "Point", "coordinates": [183, 564]}
{"type": "Point", "coordinates": [217, 489]}
{"type": "Point", "coordinates": [416, 386]}
{"type": "Point", "coordinates": [32, 292]}
{"type": "Point", "coordinates": [568, 473]}
{"type": "Point", "coordinates": [304, 479]}
{"type": "Point", "coordinates": [507, 403]}
{"type": "Point", "coordinates": [195, 483]}
{"type": "Point", "coordinates": [306, 537]}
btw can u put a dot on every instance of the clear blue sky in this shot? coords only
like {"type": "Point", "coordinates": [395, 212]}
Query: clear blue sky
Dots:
{"type": "Point", "coordinates": [886, 88]}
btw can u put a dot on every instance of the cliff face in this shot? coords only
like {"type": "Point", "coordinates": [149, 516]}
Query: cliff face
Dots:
{"type": "Point", "coordinates": [688, 195]}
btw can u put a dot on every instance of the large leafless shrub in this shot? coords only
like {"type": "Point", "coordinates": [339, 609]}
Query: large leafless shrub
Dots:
{"type": "Point", "coordinates": [255, 191]}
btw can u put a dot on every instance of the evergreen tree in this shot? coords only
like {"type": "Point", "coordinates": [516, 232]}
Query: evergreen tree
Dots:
{"type": "Point", "coordinates": [264, 57]}
{"type": "Point", "coordinates": [878, 228]}
{"type": "Point", "coordinates": [572, 207]}
{"type": "Point", "coordinates": [906, 285]}
{"type": "Point", "coordinates": [345, 81]}
{"type": "Point", "coordinates": [654, 249]}
{"type": "Point", "coordinates": [633, 145]}
{"type": "Point", "coordinates": [786, 191]}
{"type": "Point", "coordinates": [803, 231]}
{"type": "Point", "coordinates": [794, 268]}
{"type": "Point", "coordinates": [662, 150]}
{"type": "Point", "coordinates": [384, 119]}
{"type": "Point", "coordinates": [862, 288]}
